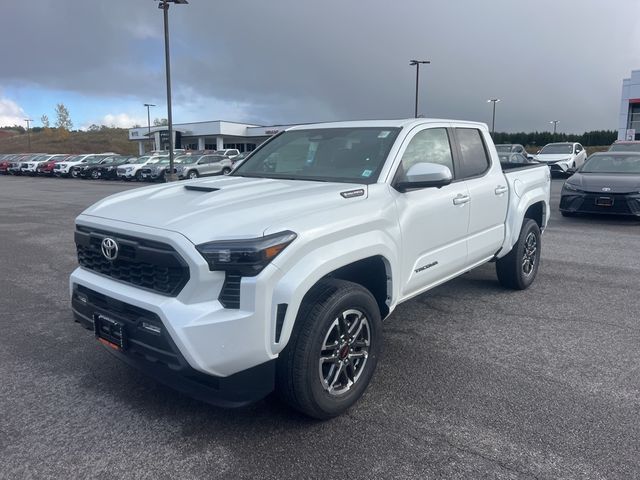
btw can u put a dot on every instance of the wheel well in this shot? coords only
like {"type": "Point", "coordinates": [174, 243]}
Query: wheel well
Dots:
{"type": "Point", "coordinates": [536, 212]}
{"type": "Point", "coordinates": [374, 274]}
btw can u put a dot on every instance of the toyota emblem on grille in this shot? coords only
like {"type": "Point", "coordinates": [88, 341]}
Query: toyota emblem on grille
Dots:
{"type": "Point", "coordinates": [606, 189]}
{"type": "Point", "coordinates": [109, 248]}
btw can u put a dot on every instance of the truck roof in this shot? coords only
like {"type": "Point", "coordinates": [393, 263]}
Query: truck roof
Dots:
{"type": "Point", "coordinates": [397, 123]}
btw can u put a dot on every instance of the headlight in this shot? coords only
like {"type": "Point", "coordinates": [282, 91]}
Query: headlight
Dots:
{"type": "Point", "coordinates": [245, 257]}
{"type": "Point", "coordinates": [128, 169]}
{"type": "Point", "coordinates": [573, 188]}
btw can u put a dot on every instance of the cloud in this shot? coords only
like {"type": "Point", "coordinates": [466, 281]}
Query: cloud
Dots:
{"type": "Point", "coordinates": [11, 113]}
{"type": "Point", "coordinates": [119, 120]}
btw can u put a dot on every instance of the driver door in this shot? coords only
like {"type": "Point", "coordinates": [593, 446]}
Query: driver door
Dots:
{"type": "Point", "coordinates": [433, 221]}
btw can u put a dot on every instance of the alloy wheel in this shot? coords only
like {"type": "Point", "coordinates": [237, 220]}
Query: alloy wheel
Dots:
{"type": "Point", "coordinates": [344, 352]}
{"type": "Point", "coordinates": [530, 253]}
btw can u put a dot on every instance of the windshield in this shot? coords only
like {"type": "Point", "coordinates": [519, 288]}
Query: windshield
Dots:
{"type": "Point", "coordinates": [612, 164]}
{"type": "Point", "coordinates": [354, 155]}
{"type": "Point", "coordinates": [503, 148]}
{"type": "Point", "coordinates": [557, 149]}
{"type": "Point", "coordinates": [625, 147]}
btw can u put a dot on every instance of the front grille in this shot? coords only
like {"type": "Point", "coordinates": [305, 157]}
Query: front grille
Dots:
{"type": "Point", "coordinates": [146, 264]}
{"type": "Point", "coordinates": [623, 204]}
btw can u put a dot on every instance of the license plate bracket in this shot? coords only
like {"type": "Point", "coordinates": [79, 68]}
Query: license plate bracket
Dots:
{"type": "Point", "coordinates": [109, 332]}
{"type": "Point", "coordinates": [604, 201]}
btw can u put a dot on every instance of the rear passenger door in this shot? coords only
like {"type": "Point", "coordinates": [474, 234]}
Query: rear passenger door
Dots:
{"type": "Point", "coordinates": [488, 193]}
{"type": "Point", "coordinates": [433, 221]}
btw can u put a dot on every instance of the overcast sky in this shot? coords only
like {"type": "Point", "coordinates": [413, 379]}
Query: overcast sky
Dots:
{"type": "Point", "coordinates": [288, 61]}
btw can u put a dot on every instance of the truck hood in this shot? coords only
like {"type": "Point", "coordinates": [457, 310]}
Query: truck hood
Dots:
{"type": "Point", "coordinates": [223, 207]}
{"type": "Point", "coordinates": [553, 158]}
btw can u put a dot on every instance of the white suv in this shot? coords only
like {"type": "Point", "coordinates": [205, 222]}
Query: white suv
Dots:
{"type": "Point", "coordinates": [132, 171]}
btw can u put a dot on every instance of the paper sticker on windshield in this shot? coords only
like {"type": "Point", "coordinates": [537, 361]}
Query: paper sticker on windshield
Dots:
{"type": "Point", "coordinates": [367, 173]}
{"type": "Point", "coordinates": [384, 134]}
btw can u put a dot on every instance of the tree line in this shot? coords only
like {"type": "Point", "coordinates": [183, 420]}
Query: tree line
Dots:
{"type": "Point", "coordinates": [594, 138]}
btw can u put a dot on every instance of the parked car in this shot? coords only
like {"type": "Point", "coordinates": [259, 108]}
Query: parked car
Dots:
{"type": "Point", "coordinates": [514, 158]}
{"type": "Point", "coordinates": [91, 168]}
{"type": "Point", "coordinates": [70, 168]}
{"type": "Point", "coordinates": [608, 183]}
{"type": "Point", "coordinates": [131, 171]}
{"type": "Point", "coordinates": [562, 157]}
{"type": "Point", "coordinates": [511, 148]}
{"type": "Point", "coordinates": [30, 166]}
{"type": "Point", "coordinates": [16, 163]}
{"type": "Point", "coordinates": [156, 172]}
{"type": "Point", "coordinates": [4, 167]}
{"type": "Point", "coordinates": [625, 146]}
{"type": "Point", "coordinates": [228, 152]}
{"type": "Point", "coordinates": [46, 168]}
{"type": "Point", "coordinates": [194, 166]}
{"type": "Point", "coordinates": [110, 171]}
{"type": "Point", "coordinates": [278, 276]}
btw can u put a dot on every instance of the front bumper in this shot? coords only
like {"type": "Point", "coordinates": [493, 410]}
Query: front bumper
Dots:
{"type": "Point", "coordinates": [156, 354]}
{"type": "Point", "coordinates": [124, 174]}
{"type": "Point", "coordinates": [600, 203]}
{"type": "Point", "coordinates": [212, 339]}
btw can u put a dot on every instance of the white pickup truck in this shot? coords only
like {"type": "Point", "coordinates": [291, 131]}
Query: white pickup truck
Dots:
{"type": "Point", "coordinates": [278, 276]}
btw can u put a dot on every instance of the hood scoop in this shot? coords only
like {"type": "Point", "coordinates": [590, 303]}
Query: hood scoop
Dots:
{"type": "Point", "coordinates": [200, 188]}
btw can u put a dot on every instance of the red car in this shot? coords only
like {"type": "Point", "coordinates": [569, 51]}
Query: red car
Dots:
{"type": "Point", "coordinates": [4, 167]}
{"type": "Point", "coordinates": [47, 167]}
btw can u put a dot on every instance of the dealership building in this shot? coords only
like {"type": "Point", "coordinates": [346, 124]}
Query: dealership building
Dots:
{"type": "Point", "coordinates": [629, 123]}
{"type": "Point", "coordinates": [213, 135]}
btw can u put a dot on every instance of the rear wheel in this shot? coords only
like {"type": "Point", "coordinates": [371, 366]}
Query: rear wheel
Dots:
{"type": "Point", "coordinates": [517, 270]}
{"type": "Point", "coordinates": [333, 350]}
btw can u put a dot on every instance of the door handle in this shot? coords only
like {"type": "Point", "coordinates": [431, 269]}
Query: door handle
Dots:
{"type": "Point", "coordinates": [500, 189]}
{"type": "Point", "coordinates": [461, 199]}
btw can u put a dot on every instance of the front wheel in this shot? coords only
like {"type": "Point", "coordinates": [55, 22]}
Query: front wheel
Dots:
{"type": "Point", "coordinates": [226, 171]}
{"type": "Point", "coordinates": [74, 173]}
{"type": "Point", "coordinates": [193, 174]}
{"type": "Point", "coordinates": [517, 270]}
{"type": "Point", "coordinates": [95, 175]}
{"type": "Point", "coordinates": [333, 350]}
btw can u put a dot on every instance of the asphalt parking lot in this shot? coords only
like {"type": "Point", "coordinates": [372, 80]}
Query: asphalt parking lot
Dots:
{"type": "Point", "coordinates": [475, 381]}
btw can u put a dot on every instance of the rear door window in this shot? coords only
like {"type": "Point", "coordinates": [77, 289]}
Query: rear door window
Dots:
{"type": "Point", "coordinates": [474, 160]}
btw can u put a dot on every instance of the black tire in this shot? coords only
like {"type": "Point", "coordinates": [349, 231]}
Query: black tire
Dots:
{"type": "Point", "coordinates": [298, 374]}
{"type": "Point", "coordinates": [74, 173]}
{"type": "Point", "coordinates": [513, 270]}
{"type": "Point", "coordinates": [192, 174]}
{"type": "Point", "coordinates": [226, 171]}
{"type": "Point", "coordinates": [139, 176]}
{"type": "Point", "coordinates": [95, 175]}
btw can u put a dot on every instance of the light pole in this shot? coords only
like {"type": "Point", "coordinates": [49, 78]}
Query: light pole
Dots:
{"type": "Point", "coordinates": [555, 123]}
{"type": "Point", "coordinates": [28, 133]}
{"type": "Point", "coordinates": [493, 120]}
{"type": "Point", "coordinates": [417, 64]}
{"type": "Point", "coordinates": [149, 105]}
{"type": "Point", "coordinates": [164, 6]}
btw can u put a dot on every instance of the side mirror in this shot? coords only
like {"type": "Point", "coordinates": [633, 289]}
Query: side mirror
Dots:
{"type": "Point", "coordinates": [425, 175]}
